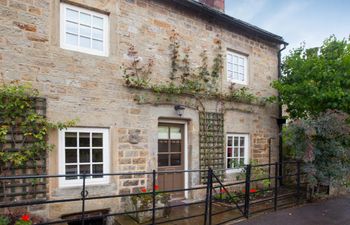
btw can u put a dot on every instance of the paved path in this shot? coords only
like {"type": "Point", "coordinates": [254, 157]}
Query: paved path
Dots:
{"type": "Point", "coordinates": [328, 212]}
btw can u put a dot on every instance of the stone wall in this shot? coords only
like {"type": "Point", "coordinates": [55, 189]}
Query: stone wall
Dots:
{"type": "Point", "coordinates": [90, 88]}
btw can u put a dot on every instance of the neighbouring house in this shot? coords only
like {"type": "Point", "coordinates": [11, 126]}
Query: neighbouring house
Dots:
{"type": "Point", "coordinates": [75, 53]}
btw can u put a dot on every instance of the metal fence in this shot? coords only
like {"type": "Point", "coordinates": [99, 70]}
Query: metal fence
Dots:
{"type": "Point", "coordinates": [212, 186]}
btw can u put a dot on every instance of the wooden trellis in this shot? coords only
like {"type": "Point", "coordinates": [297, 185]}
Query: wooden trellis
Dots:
{"type": "Point", "coordinates": [211, 142]}
{"type": "Point", "coordinates": [24, 189]}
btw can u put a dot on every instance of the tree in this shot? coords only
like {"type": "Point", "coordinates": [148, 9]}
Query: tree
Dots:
{"type": "Point", "coordinates": [316, 79]}
{"type": "Point", "coordinates": [323, 144]}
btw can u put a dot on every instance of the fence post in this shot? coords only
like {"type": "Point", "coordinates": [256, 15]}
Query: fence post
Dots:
{"type": "Point", "coordinates": [83, 195]}
{"type": "Point", "coordinates": [208, 196]}
{"type": "Point", "coordinates": [153, 197]}
{"type": "Point", "coordinates": [276, 187]}
{"type": "Point", "coordinates": [247, 190]}
{"type": "Point", "coordinates": [210, 193]}
{"type": "Point", "coordinates": [298, 182]}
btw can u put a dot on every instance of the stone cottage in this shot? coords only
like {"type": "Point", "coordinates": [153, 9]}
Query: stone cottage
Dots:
{"type": "Point", "coordinates": [75, 53]}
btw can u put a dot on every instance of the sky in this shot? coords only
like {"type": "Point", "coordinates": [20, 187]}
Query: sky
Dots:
{"type": "Point", "coordinates": [297, 21]}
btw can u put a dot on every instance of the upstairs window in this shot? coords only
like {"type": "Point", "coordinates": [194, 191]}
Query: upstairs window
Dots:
{"type": "Point", "coordinates": [83, 151]}
{"type": "Point", "coordinates": [237, 71]}
{"type": "Point", "coordinates": [83, 30]}
{"type": "Point", "coordinates": [237, 151]}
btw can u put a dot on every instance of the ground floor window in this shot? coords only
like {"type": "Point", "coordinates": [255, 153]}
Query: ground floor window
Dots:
{"type": "Point", "coordinates": [237, 151]}
{"type": "Point", "coordinates": [84, 151]}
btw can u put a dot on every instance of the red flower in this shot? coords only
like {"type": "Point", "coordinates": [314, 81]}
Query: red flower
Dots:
{"type": "Point", "coordinates": [252, 191]}
{"type": "Point", "coordinates": [25, 217]}
{"type": "Point", "coordinates": [156, 187]}
{"type": "Point", "coordinates": [222, 191]}
{"type": "Point", "coordinates": [144, 190]}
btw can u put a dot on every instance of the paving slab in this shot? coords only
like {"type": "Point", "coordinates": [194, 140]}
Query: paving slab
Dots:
{"type": "Point", "coordinates": [327, 212]}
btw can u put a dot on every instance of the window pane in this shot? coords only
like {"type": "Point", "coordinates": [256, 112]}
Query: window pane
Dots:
{"type": "Point", "coordinates": [85, 31]}
{"type": "Point", "coordinates": [71, 156]}
{"type": "Point", "coordinates": [236, 141]}
{"type": "Point", "coordinates": [229, 163]}
{"type": "Point", "coordinates": [163, 133]}
{"type": "Point", "coordinates": [97, 22]}
{"type": "Point", "coordinates": [235, 76]}
{"type": "Point", "coordinates": [71, 139]}
{"type": "Point", "coordinates": [175, 145]}
{"type": "Point", "coordinates": [163, 160]}
{"type": "Point", "coordinates": [72, 27]}
{"type": "Point", "coordinates": [235, 59]}
{"type": "Point", "coordinates": [235, 152]}
{"type": "Point", "coordinates": [72, 39]}
{"type": "Point", "coordinates": [241, 77]}
{"type": "Point", "coordinates": [175, 133]}
{"type": "Point", "coordinates": [241, 152]}
{"type": "Point", "coordinates": [229, 141]}
{"type": "Point", "coordinates": [84, 169]}
{"type": "Point", "coordinates": [97, 140]}
{"type": "Point", "coordinates": [240, 61]}
{"type": "Point", "coordinates": [84, 155]}
{"type": "Point", "coordinates": [240, 69]}
{"type": "Point", "coordinates": [84, 139]}
{"type": "Point", "coordinates": [85, 19]}
{"type": "Point", "coordinates": [98, 45]}
{"type": "Point", "coordinates": [229, 152]}
{"type": "Point", "coordinates": [242, 141]}
{"type": "Point", "coordinates": [85, 42]}
{"type": "Point", "coordinates": [235, 68]}
{"type": "Point", "coordinates": [97, 169]}
{"type": "Point", "coordinates": [72, 15]}
{"type": "Point", "coordinates": [97, 34]}
{"type": "Point", "coordinates": [163, 146]}
{"type": "Point", "coordinates": [97, 155]}
{"type": "Point", "coordinates": [71, 170]}
{"type": "Point", "coordinates": [175, 159]}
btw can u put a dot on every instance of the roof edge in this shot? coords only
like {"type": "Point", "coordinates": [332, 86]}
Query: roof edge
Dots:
{"type": "Point", "coordinates": [237, 23]}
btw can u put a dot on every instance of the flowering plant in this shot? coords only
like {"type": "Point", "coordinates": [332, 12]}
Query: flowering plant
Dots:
{"type": "Point", "coordinates": [24, 220]}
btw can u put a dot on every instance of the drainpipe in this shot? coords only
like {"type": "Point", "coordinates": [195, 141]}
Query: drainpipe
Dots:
{"type": "Point", "coordinates": [280, 120]}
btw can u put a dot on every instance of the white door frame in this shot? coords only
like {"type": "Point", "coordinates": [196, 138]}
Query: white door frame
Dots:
{"type": "Point", "coordinates": [182, 122]}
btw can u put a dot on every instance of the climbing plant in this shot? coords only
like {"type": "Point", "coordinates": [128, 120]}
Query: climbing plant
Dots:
{"type": "Point", "coordinates": [23, 130]}
{"type": "Point", "coordinates": [201, 83]}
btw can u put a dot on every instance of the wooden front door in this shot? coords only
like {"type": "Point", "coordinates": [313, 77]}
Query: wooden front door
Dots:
{"type": "Point", "coordinates": [171, 157]}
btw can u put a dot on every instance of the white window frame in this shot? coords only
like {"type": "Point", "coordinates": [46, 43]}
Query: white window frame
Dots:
{"type": "Point", "coordinates": [246, 151]}
{"type": "Point", "coordinates": [61, 155]}
{"type": "Point", "coordinates": [64, 45]}
{"type": "Point", "coordinates": [245, 58]}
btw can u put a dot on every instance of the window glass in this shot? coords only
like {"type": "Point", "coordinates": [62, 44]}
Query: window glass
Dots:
{"type": "Point", "coordinates": [163, 132]}
{"type": "Point", "coordinates": [84, 152]}
{"type": "Point", "coordinates": [236, 150]}
{"type": "Point", "coordinates": [236, 68]}
{"type": "Point", "coordinates": [83, 30]}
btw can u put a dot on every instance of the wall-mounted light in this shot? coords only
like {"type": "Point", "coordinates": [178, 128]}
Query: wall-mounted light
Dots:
{"type": "Point", "coordinates": [179, 109]}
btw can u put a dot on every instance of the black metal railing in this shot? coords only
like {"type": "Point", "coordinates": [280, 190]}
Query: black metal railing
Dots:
{"type": "Point", "coordinates": [243, 205]}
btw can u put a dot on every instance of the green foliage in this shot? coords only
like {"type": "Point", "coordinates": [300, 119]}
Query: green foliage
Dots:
{"type": "Point", "coordinates": [323, 143]}
{"type": "Point", "coordinates": [21, 126]}
{"type": "Point", "coordinates": [241, 95]}
{"type": "Point", "coordinates": [4, 220]}
{"type": "Point", "coordinates": [316, 79]}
